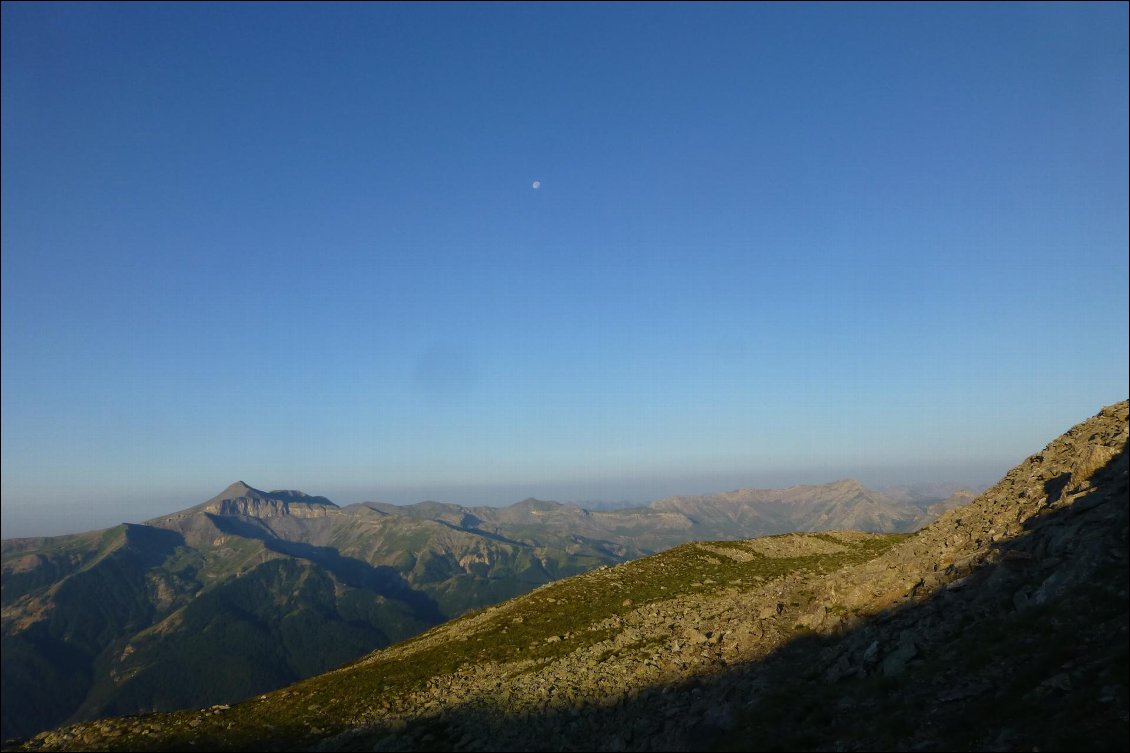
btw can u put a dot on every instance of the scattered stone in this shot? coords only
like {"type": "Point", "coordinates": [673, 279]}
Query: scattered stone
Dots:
{"type": "Point", "coordinates": [895, 662]}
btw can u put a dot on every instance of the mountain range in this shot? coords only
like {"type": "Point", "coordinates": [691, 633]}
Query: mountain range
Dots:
{"type": "Point", "coordinates": [1003, 625]}
{"type": "Point", "coordinates": [252, 590]}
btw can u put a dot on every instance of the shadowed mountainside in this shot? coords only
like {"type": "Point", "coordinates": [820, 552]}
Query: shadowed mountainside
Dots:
{"type": "Point", "coordinates": [1003, 625]}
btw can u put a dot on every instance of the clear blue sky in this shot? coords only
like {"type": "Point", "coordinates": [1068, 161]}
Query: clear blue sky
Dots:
{"type": "Point", "coordinates": [299, 245]}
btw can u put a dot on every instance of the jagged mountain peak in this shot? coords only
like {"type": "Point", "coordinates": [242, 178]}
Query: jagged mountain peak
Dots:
{"type": "Point", "coordinates": [241, 499]}
{"type": "Point", "coordinates": [243, 490]}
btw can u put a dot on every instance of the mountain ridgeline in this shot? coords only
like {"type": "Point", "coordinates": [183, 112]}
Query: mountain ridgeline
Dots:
{"type": "Point", "coordinates": [1001, 626]}
{"type": "Point", "coordinates": [252, 590]}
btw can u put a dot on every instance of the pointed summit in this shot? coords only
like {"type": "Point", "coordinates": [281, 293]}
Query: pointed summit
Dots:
{"type": "Point", "coordinates": [236, 496]}
{"type": "Point", "coordinates": [241, 499]}
{"type": "Point", "coordinates": [238, 489]}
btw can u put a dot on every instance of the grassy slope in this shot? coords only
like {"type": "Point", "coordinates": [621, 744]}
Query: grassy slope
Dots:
{"type": "Point", "coordinates": [525, 632]}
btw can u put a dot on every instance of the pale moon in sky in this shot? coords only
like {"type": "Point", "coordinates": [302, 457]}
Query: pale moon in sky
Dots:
{"type": "Point", "coordinates": [536, 184]}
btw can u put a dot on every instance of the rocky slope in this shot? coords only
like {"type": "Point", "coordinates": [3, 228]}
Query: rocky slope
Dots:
{"type": "Point", "coordinates": [251, 590]}
{"type": "Point", "coordinates": [1003, 625]}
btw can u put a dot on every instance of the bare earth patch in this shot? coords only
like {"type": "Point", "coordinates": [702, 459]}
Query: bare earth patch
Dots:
{"type": "Point", "coordinates": [793, 545]}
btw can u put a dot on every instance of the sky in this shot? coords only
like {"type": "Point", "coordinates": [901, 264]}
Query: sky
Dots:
{"type": "Point", "coordinates": [478, 253]}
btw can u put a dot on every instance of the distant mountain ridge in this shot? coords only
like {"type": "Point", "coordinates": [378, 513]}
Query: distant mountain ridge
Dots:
{"type": "Point", "coordinates": [843, 504]}
{"type": "Point", "coordinates": [810, 507]}
{"type": "Point", "coordinates": [253, 589]}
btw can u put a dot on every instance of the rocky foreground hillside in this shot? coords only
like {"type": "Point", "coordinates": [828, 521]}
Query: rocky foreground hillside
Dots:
{"type": "Point", "coordinates": [1002, 626]}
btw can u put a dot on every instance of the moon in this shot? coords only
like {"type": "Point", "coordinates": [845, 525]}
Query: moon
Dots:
{"type": "Point", "coordinates": [536, 184]}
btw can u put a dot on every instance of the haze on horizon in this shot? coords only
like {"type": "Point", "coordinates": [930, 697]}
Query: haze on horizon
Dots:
{"type": "Point", "coordinates": [484, 252]}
